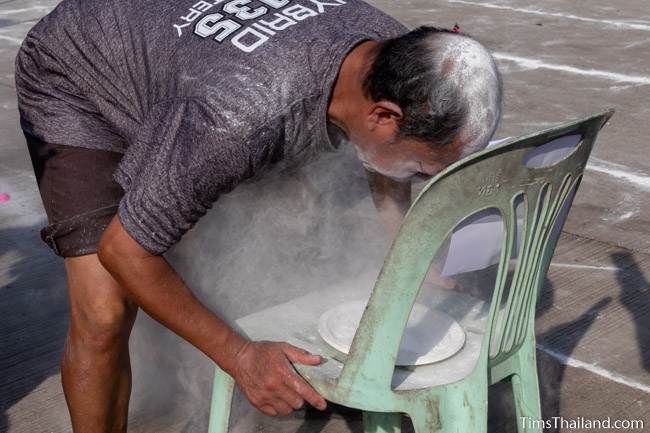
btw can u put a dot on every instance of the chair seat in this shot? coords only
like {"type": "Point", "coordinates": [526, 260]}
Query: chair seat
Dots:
{"type": "Point", "coordinates": [296, 322]}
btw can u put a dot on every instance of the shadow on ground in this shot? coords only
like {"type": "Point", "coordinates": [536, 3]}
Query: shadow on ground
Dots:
{"type": "Point", "coordinates": [33, 308]}
{"type": "Point", "coordinates": [635, 296]}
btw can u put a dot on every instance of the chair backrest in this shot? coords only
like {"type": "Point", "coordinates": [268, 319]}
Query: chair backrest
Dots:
{"type": "Point", "coordinates": [497, 178]}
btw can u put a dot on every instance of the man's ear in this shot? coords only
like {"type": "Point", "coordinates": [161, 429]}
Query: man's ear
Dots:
{"type": "Point", "coordinates": [384, 113]}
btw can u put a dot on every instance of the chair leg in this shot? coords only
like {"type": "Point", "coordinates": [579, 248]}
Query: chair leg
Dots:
{"type": "Point", "coordinates": [460, 409]}
{"type": "Point", "coordinates": [222, 390]}
{"type": "Point", "coordinates": [525, 388]}
{"type": "Point", "coordinates": [425, 417]}
{"type": "Point", "coordinates": [378, 422]}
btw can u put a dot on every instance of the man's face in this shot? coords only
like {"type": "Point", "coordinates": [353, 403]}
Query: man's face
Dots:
{"type": "Point", "coordinates": [405, 159]}
{"type": "Point", "coordinates": [374, 131]}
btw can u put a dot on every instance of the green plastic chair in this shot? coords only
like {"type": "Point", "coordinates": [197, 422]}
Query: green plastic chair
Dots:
{"type": "Point", "coordinates": [500, 345]}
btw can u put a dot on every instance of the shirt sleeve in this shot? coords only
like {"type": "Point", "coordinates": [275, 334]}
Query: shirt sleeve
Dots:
{"type": "Point", "coordinates": [181, 162]}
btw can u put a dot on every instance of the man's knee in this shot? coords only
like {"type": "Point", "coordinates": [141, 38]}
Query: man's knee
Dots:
{"type": "Point", "coordinates": [101, 315]}
{"type": "Point", "coordinates": [102, 328]}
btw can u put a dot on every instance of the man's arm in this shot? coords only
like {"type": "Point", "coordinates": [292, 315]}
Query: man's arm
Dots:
{"type": "Point", "coordinates": [261, 369]}
{"type": "Point", "coordinates": [392, 199]}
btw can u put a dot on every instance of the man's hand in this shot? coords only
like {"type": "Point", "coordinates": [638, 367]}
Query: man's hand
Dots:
{"type": "Point", "coordinates": [434, 277]}
{"type": "Point", "coordinates": [265, 375]}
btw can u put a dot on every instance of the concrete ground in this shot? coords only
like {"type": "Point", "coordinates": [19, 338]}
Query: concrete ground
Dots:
{"type": "Point", "coordinates": [560, 60]}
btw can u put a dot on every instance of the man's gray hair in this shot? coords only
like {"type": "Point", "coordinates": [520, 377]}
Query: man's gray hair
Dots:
{"type": "Point", "coordinates": [446, 83]}
{"type": "Point", "coordinates": [468, 66]}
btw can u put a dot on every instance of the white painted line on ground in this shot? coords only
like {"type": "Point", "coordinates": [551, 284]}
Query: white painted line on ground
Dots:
{"type": "Point", "coordinates": [529, 63]}
{"type": "Point", "coordinates": [11, 39]}
{"type": "Point", "coordinates": [594, 268]}
{"type": "Point", "coordinates": [19, 11]}
{"type": "Point", "coordinates": [637, 43]}
{"type": "Point", "coordinates": [613, 23]}
{"type": "Point", "coordinates": [593, 368]}
{"type": "Point", "coordinates": [627, 215]}
{"type": "Point", "coordinates": [620, 172]}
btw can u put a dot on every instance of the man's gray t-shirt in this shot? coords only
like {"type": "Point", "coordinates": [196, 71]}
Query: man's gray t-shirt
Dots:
{"type": "Point", "coordinates": [198, 95]}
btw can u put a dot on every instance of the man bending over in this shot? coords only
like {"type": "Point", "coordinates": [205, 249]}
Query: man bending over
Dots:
{"type": "Point", "coordinates": [139, 114]}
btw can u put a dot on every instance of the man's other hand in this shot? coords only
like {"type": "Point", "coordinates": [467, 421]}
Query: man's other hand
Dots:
{"type": "Point", "coordinates": [434, 277]}
{"type": "Point", "coordinates": [265, 375]}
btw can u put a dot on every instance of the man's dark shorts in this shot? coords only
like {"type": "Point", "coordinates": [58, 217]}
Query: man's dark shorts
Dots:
{"type": "Point", "coordinates": [78, 192]}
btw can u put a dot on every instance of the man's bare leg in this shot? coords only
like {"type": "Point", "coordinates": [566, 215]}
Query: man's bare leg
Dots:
{"type": "Point", "coordinates": [95, 369]}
